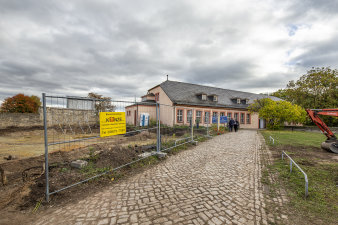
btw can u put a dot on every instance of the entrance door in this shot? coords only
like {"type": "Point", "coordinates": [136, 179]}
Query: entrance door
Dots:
{"type": "Point", "coordinates": [261, 123]}
{"type": "Point", "coordinates": [135, 118]}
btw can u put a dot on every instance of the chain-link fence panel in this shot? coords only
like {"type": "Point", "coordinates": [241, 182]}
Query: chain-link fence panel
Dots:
{"type": "Point", "coordinates": [76, 152]}
{"type": "Point", "coordinates": [78, 148]}
{"type": "Point", "coordinates": [179, 125]}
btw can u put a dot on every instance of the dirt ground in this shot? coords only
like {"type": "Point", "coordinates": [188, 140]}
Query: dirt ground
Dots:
{"type": "Point", "coordinates": [26, 178]}
{"type": "Point", "coordinates": [29, 142]}
{"type": "Point", "coordinates": [311, 155]}
{"type": "Point", "coordinates": [25, 188]}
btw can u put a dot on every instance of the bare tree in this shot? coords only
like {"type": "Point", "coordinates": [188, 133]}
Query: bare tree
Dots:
{"type": "Point", "coordinates": [102, 104]}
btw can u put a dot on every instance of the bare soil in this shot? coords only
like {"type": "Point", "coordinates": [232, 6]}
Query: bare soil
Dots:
{"type": "Point", "coordinates": [25, 189]}
{"type": "Point", "coordinates": [310, 155]}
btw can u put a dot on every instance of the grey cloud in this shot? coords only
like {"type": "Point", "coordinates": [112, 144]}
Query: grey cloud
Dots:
{"type": "Point", "coordinates": [124, 48]}
{"type": "Point", "coordinates": [324, 6]}
{"type": "Point", "coordinates": [322, 55]}
{"type": "Point", "coordinates": [219, 72]}
{"type": "Point", "coordinates": [19, 69]}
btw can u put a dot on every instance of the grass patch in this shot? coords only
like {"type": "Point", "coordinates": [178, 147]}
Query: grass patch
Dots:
{"type": "Point", "coordinates": [145, 162]}
{"type": "Point", "coordinates": [92, 170]}
{"type": "Point", "coordinates": [322, 200]}
{"type": "Point", "coordinates": [321, 205]}
{"type": "Point", "coordinates": [295, 138]}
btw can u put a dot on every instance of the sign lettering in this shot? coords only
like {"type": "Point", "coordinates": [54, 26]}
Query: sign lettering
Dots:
{"type": "Point", "coordinates": [112, 123]}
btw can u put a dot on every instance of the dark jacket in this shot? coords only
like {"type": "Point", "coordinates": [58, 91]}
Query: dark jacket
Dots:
{"type": "Point", "coordinates": [231, 122]}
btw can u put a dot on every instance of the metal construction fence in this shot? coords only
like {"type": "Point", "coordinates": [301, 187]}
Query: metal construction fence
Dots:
{"type": "Point", "coordinates": [300, 169]}
{"type": "Point", "coordinates": [75, 152]}
{"type": "Point", "coordinates": [272, 140]}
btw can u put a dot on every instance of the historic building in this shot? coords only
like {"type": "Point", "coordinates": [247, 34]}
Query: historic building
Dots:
{"type": "Point", "coordinates": [182, 101]}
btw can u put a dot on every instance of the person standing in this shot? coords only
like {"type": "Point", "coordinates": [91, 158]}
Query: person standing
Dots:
{"type": "Point", "coordinates": [231, 124]}
{"type": "Point", "coordinates": [236, 125]}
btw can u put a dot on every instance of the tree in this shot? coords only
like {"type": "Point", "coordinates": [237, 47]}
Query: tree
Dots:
{"type": "Point", "coordinates": [318, 89]}
{"type": "Point", "coordinates": [103, 104]}
{"type": "Point", "coordinates": [278, 112]}
{"type": "Point", "coordinates": [36, 99]}
{"type": "Point", "coordinates": [21, 103]}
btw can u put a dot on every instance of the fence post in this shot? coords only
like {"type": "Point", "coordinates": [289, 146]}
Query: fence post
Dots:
{"type": "Point", "coordinates": [157, 136]}
{"type": "Point", "coordinates": [192, 125]}
{"type": "Point", "coordinates": [306, 187]}
{"type": "Point", "coordinates": [207, 129]}
{"type": "Point", "coordinates": [290, 165]}
{"type": "Point", "coordinates": [159, 127]}
{"type": "Point", "coordinates": [218, 120]}
{"type": "Point", "coordinates": [46, 144]}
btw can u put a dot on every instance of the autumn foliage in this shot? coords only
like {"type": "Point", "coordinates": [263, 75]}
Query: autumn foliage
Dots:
{"type": "Point", "coordinates": [21, 103]}
{"type": "Point", "coordinates": [277, 112]}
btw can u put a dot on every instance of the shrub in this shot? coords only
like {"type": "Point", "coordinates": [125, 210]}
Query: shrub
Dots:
{"type": "Point", "coordinates": [21, 103]}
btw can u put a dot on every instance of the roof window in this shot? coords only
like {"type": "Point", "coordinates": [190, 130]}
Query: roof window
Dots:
{"type": "Point", "coordinates": [204, 97]}
{"type": "Point", "coordinates": [238, 101]}
{"type": "Point", "coordinates": [215, 98]}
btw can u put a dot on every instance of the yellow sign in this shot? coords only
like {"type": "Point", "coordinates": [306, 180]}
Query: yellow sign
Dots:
{"type": "Point", "coordinates": [112, 123]}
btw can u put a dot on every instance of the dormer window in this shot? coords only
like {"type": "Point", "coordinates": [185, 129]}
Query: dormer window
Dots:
{"type": "Point", "coordinates": [247, 101]}
{"type": "Point", "coordinates": [215, 98]}
{"type": "Point", "coordinates": [238, 101]}
{"type": "Point", "coordinates": [204, 97]}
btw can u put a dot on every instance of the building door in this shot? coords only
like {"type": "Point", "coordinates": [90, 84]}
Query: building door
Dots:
{"type": "Point", "coordinates": [261, 123]}
{"type": "Point", "coordinates": [135, 118]}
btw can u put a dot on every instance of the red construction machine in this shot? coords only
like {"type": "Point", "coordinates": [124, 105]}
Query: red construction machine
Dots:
{"type": "Point", "coordinates": [331, 143]}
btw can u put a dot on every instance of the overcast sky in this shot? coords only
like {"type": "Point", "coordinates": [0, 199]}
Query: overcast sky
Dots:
{"type": "Point", "coordinates": [123, 48]}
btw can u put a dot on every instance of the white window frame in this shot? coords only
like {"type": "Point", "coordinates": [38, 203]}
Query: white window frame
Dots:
{"type": "Point", "coordinates": [248, 118]}
{"type": "Point", "coordinates": [189, 115]}
{"type": "Point", "coordinates": [215, 98]}
{"type": "Point", "coordinates": [240, 118]}
{"type": "Point", "coordinates": [236, 117]}
{"type": "Point", "coordinates": [180, 116]}
{"type": "Point", "coordinates": [199, 116]}
{"type": "Point", "coordinates": [204, 97]}
{"type": "Point", "coordinates": [207, 117]}
{"type": "Point", "coordinates": [238, 101]}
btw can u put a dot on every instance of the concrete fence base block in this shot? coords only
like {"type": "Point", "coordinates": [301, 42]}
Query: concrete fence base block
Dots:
{"type": "Point", "coordinates": [146, 154]}
{"type": "Point", "coordinates": [161, 155]}
{"type": "Point", "coordinates": [78, 164]}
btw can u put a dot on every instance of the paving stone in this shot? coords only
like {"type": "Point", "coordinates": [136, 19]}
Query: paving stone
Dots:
{"type": "Point", "coordinates": [216, 182]}
{"type": "Point", "coordinates": [103, 222]}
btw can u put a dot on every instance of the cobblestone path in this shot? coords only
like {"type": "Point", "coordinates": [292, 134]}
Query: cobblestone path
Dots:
{"type": "Point", "coordinates": [217, 182]}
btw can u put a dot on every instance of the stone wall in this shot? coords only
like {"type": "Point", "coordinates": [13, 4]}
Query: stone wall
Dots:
{"type": "Point", "coordinates": [55, 116]}
{"type": "Point", "coordinates": [20, 120]}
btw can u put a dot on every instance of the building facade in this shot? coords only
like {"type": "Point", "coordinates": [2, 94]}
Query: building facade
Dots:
{"type": "Point", "coordinates": [180, 102]}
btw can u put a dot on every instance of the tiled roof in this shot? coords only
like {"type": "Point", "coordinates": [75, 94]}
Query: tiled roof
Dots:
{"type": "Point", "coordinates": [186, 93]}
{"type": "Point", "coordinates": [147, 102]}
